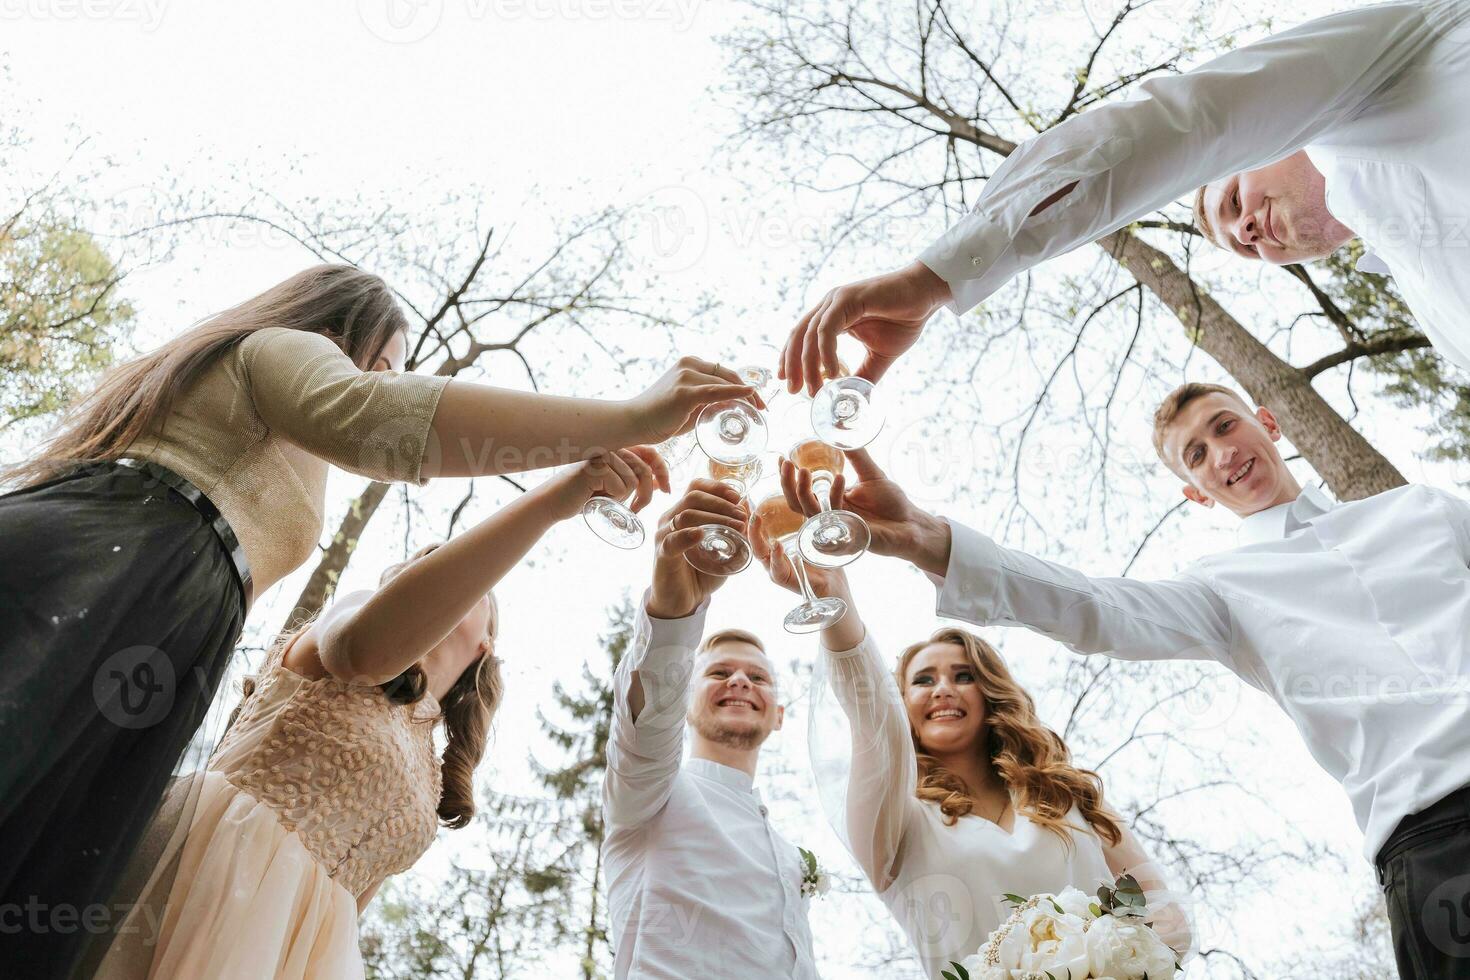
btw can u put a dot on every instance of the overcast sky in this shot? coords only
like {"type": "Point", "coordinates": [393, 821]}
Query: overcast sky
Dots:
{"type": "Point", "coordinates": [552, 109]}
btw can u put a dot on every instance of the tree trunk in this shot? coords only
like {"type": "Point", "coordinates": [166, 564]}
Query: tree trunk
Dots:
{"type": "Point", "coordinates": [323, 581]}
{"type": "Point", "coordinates": [1349, 463]}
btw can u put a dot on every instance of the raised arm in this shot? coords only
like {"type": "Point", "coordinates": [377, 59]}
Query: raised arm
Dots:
{"type": "Point", "coordinates": [409, 427]}
{"type": "Point", "coordinates": [861, 751]}
{"type": "Point", "coordinates": [1239, 111]}
{"type": "Point", "coordinates": [1111, 165]}
{"type": "Point", "coordinates": [372, 637]}
{"type": "Point", "coordinates": [651, 687]}
{"type": "Point", "coordinates": [646, 744]}
{"type": "Point", "coordinates": [980, 582]}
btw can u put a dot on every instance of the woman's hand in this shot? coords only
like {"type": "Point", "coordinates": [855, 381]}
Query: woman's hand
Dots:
{"type": "Point", "coordinates": [671, 405]}
{"type": "Point", "coordinates": [637, 471]}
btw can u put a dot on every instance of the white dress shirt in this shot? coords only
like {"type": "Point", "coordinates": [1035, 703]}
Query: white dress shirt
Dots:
{"type": "Point", "coordinates": [1375, 95]}
{"type": "Point", "coordinates": [699, 883]}
{"type": "Point", "coordinates": [1354, 617]}
{"type": "Point", "coordinates": [944, 884]}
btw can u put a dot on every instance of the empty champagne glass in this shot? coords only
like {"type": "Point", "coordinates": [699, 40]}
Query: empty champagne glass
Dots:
{"type": "Point", "coordinates": [612, 520]}
{"type": "Point", "coordinates": [731, 431]}
{"type": "Point", "coordinates": [845, 414]}
{"type": "Point", "coordinates": [723, 550]}
{"type": "Point", "coordinates": [779, 523]}
{"type": "Point", "coordinates": [832, 538]}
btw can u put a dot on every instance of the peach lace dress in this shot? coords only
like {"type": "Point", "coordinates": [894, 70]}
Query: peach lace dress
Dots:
{"type": "Point", "coordinates": [318, 792]}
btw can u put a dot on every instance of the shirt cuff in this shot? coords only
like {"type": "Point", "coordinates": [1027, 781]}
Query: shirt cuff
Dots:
{"type": "Point", "coordinates": [962, 257]}
{"type": "Point", "coordinates": [662, 655]}
{"type": "Point", "coordinates": [970, 589]}
{"type": "Point", "coordinates": [862, 645]}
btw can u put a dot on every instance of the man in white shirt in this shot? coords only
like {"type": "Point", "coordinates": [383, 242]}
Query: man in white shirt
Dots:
{"type": "Point", "coordinates": [1354, 617]}
{"type": "Point", "coordinates": [1350, 125]}
{"type": "Point", "coordinates": [699, 882]}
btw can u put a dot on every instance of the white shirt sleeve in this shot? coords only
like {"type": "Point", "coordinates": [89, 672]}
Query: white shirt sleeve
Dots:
{"type": "Point", "coordinates": [643, 756]}
{"type": "Point", "coordinates": [863, 757]}
{"type": "Point", "coordinates": [1242, 110]}
{"type": "Point", "coordinates": [1175, 619]}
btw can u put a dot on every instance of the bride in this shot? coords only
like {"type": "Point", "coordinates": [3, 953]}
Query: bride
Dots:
{"type": "Point", "coordinates": [947, 788]}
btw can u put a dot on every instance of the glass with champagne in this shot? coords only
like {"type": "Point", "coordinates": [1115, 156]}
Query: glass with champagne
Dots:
{"type": "Point", "coordinates": [777, 522]}
{"type": "Point", "coordinates": [723, 550]}
{"type": "Point", "coordinates": [832, 538]}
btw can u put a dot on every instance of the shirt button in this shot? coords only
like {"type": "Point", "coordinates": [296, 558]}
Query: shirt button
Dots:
{"type": "Point", "coordinates": [975, 262]}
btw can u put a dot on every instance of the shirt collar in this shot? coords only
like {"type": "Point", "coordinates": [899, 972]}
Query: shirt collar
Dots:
{"type": "Point", "coordinates": [1275, 523]}
{"type": "Point", "coordinates": [724, 775]}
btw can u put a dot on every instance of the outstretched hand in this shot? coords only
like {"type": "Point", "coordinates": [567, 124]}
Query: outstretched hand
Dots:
{"type": "Point", "coordinates": [678, 587]}
{"type": "Point", "coordinates": [893, 520]}
{"type": "Point", "coordinates": [886, 313]}
{"type": "Point", "coordinates": [671, 404]}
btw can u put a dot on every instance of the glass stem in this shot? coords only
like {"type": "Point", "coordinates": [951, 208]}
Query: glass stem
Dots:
{"type": "Point", "coordinates": [800, 568]}
{"type": "Point", "coordinates": [822, 487]}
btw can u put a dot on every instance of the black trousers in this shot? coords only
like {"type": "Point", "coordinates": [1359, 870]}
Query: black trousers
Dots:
{"type": "Point", "coordinates": [119, 610]}
{"type": "Point", "coordinates": [1425, 872]}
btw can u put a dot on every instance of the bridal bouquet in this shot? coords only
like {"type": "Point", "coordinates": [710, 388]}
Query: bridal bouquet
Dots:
{"type": "Point", "coordinates": [1071, 936]}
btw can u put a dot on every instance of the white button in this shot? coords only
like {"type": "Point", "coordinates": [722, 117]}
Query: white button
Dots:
{"type": "Point", "coordinates": [975, 262]}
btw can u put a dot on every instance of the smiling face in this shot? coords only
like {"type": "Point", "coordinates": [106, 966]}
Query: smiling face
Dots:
{"type": "Point", "coordinates": [1226, 453]}
{"type": "Point", "coordinates": [733, 699]}
{"type": "Point", "coordinates": [1277, 214]}
{"type": "Point", "coordinates": [942, 695]}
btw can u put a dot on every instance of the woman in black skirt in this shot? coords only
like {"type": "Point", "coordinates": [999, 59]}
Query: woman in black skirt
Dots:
{"type": "Point", "coordinates": [188, 483]}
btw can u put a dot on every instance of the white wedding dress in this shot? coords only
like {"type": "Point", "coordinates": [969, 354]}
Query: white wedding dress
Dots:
{"type": "Point", "coordinates": [942, 883]}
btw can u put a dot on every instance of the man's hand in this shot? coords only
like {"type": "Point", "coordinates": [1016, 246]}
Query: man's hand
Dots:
{"type": "Point", "coordinates": [887, 313]}
{"type": "Point", "coordinates": [679, 587]}
{"type": "Point", "coordinates": [898, 527]}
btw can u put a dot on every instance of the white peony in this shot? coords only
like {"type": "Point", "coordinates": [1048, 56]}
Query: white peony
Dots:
{"type": "Point", "coordinates": [1045, 941]}
{"type": "Point", "coordinates": [1127, 949]}
{"type": "Point", "coordinates": [1074, 902]}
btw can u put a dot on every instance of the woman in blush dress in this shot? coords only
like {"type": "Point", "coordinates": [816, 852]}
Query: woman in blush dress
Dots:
{"type": "Point", "coordinates": [947, 788]}
{"type": "Point", "coordinates": [328, 780]}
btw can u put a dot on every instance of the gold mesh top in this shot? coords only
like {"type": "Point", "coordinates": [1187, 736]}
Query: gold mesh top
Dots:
{"type": "Point", "coordinates": [352, 774]}
{"type": "Point", "coordinates": [257, 431]}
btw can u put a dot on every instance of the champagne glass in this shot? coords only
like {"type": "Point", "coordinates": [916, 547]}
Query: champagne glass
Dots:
{"type": "Point", "coordinates": [612, 520]}
{"type": "Point", "coordinates": [844, 413]}
{"type": "Point", "coordinates": [779, 523]}
{"type": "Point", "coordinates": [832, 538]}
{"type": "Point", "coordinates": [723, 550]}
{"type": "Point", "coordinates": [731, 431]}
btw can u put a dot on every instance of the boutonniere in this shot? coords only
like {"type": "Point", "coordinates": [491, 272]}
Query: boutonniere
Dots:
{"type": "Point", "coordinates": [814, 881]}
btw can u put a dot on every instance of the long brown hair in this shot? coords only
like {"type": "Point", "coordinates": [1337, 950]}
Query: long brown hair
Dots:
{"type": "Point", "coordinates": [1032, 759]}
{"type": "Point", "coordinates": [353, 308]}
{"type": "Point", "coordinates": [467, 710]}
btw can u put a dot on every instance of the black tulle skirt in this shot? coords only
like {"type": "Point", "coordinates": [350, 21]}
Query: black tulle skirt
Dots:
{"type": "Point", "coordinates": [120, 606]}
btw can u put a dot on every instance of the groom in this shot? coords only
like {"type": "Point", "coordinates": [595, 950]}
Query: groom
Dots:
{"type": "Point", "coordinates": [699, 882]}
{"type": "Point", "coordinates": [1354, 617]}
